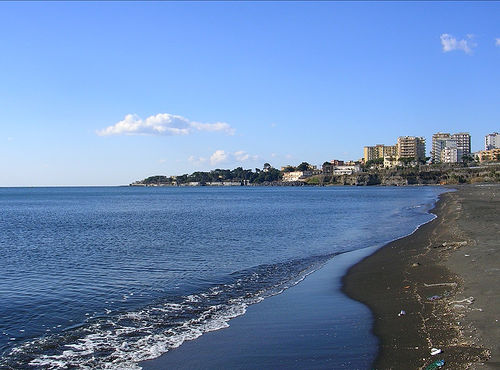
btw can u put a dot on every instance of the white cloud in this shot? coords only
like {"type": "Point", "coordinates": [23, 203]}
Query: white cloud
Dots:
{"type": "Point", "coordinates": [450, 43]}
{"type": "Point", "coordinates": [197, 160]}
{"type": "Point", "coordinates": [241, 156]}
{"type": "Point", "coordinates": [497, 41]}
{"type": "Point", "coordinates": [217, 126]}
{"type": "Point", "coordinates": [162, 124]}
{"type": "Point", "coordinates": [218, 157]}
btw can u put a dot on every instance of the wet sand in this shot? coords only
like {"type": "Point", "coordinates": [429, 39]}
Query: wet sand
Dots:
{"type": "Point", "coordinates": [445, 277]}
{"type": "Point", "coordinates": [311, 325]}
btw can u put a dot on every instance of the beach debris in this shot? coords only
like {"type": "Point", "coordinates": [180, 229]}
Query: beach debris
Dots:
{"type": "Point", "coordinates": [467, 255]}
{"type": "Point", "coordinates": [435, 365]}
{"type": "Point", "coordinates": [416, 264]}
{"type": "Point", "coordinates": [402, 313]}
{"type": "Point", "coordinates": [440, 284]}
{"type": "Point", "coordinates": [434, 298]}
{"type": "Point", "coordinates": [469, 301]}
{"type": "Point", "coordinates": [454, 245]}
{"type": "Point", "coordinates": [406, 287]}
{"type": "Point", "coordinates": [435, 351]}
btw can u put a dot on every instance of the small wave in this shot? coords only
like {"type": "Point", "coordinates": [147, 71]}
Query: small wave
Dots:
{"type": "Point", "coordinates": [124, 339]}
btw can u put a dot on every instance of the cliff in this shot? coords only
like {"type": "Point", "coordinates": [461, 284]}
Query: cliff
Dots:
{"type": "Point", "coordinates": [424, 175]}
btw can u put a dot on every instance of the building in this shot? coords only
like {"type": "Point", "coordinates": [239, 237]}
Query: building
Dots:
{"type": "Point", "coordinates": [449, 155]}
{"type": "Point", "coordinates": [379, 151]}
{"type": "Point", "coordinates": [337, 162]}
{"type": "Point", "coordinates": [390, 162]}
{"type": "Point", "coordinates": [491, 155]}
{"type": "Point", "coordinates": [492, 141]}
{"type": "Point", "coordinates": [438, 143]}
{"type": "Point", "coordinates": [296, 175]}
{"type": "Point", "coordinates": [330, 169]}
{"type": "Point", "coordinates": [353, 163]}
{"type": "Point", "coordinates": [346, 170]}
{"type": "Point", "coordinates": [463, 144]}
{"type": "Point", "coordinates": [459, 141]}
{"type": "Point", "coordinates": [411, 147]}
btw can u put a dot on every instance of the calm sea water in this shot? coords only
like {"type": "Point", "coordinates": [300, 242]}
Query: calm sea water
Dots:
{"type": "Point", "coordinates": [107, 277]}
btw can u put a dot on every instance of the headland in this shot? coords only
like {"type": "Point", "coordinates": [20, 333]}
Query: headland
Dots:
{"type": "Point", "coordinates": [355, 175]}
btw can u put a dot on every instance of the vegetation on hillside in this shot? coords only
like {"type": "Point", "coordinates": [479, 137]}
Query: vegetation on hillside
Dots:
{"type": "Point", "coordinates": [373, 175]}
{"type": "Point", "coordinates": [267, 174]}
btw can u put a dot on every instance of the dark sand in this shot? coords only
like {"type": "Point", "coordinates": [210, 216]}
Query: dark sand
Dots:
{"type": "Point", "coordinates": [454, 257]}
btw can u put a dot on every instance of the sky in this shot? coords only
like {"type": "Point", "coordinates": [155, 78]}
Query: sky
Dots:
{"type": "Point", "coordinates": [107, 93]}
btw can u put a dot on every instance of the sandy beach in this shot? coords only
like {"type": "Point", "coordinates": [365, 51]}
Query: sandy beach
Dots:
{"type": "Point", "coordinates": [445, 278]}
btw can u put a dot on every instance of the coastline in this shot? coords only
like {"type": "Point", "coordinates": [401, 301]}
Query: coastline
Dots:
{"type": "Point", "coordinates": [443, 276]}
{"type": "Point", "coordinates": [296, 329]}
{"type": "Point", "coordinates": [439, 259]}
{"type": "Point", "coordinates": [271, 334]}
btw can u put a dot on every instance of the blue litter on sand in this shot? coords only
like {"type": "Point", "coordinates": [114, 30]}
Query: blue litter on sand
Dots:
{"type": "Point", "coordinates": [435, 365]}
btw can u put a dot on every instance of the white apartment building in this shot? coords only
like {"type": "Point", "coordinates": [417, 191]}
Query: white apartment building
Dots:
{"type": "Point", "coordinates": [345, 170]}
{"type": "Point", "coordinates": [296, 175]}
{"type": "Point", "coordinates": [438, 143]}
{"type": "Point", "coordinates": [459, 142]}
{"type": "Point", "coordinates": [463, 144]}
{"type": "Point", "coordinates": [492, 141]}
{"type": "Point", "coordinates": [449, 155]}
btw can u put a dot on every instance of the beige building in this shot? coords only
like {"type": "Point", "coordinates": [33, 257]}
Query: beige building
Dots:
{"type": "Point", "coordinates": [379, 151]}
{"type": "Point", "coordinates": [390, 162]}
{"type": "Point", "coordinates": [411, 147]}
{"type": "Point", "coordinates": [492, 155]}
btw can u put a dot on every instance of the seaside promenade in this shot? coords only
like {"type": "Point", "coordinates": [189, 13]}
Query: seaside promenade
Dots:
{"type": "Point", "coordinates": [438, 288]}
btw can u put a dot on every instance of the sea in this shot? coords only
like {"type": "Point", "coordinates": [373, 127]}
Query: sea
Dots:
{"type": "Point", "coordinates": [107, 277]}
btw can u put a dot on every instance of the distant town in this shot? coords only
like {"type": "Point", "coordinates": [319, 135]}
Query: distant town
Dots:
{"type": "Point", "coordinates": [403, 163]}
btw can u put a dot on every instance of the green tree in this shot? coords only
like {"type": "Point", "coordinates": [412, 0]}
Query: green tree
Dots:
{"type": "Point", "coordinates": [406, 161]}
{"type": "Point", "coordinates": [289, 169]}
{"type": "Point", "coordinates": [158, 179]}
{"type": "Point", "coordinates": [304, 166]}
{"type": "Point", "coordinates": [182, 179]}
{"type": "Point", "coordinates": [374, 162]}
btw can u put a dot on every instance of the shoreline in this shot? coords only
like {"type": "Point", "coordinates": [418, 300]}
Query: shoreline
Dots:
{"type": "Point", "coordinates": [401, 275]}
{"type": "Point", "coordinates": [216, 349]}
{"type": "Point", "coordinates": [425, 275]}
{"type": "Point", "coordinates": [295, 329]}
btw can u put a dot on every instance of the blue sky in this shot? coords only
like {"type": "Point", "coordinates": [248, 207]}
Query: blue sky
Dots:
{"type": "Point", "coordinates": [107, 93]}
